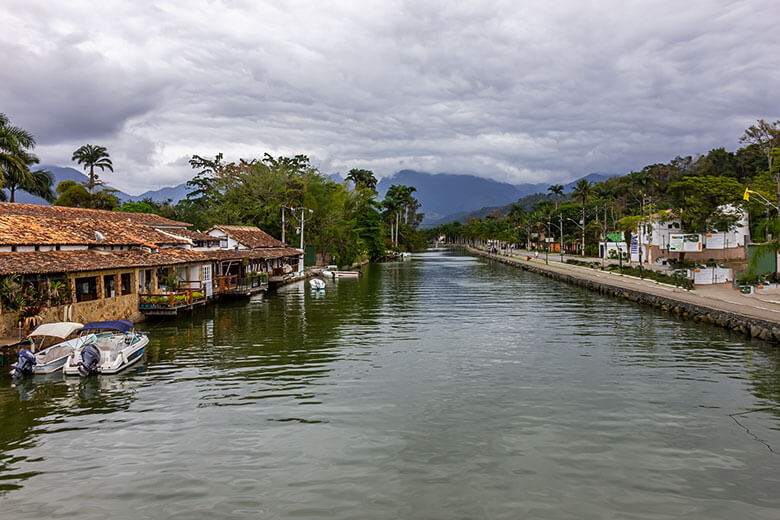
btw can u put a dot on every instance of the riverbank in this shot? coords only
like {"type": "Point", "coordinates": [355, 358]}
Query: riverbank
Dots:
{"type": "Point", "coordinates": [716, 305]}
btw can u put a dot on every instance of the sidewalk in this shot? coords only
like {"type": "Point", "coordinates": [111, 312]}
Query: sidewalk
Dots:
{"type": "Point", "coordinates": [717, 297]}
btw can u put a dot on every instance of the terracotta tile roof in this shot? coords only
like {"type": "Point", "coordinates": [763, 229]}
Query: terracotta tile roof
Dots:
{"type": "Point", "coordinates": [250, 236]}
{"type": "Point", "coordinates": [36, 230]}
{"type": "Point", "coordinates": [146, 219]}
{"type": "Point", "coordinates": [195, 236]}
{"type": "Point", "coordinates": [76, 261]}
{"type": "Point", "coordinates": [264, 253]}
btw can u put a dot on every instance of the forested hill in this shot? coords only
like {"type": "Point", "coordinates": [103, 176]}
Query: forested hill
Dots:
{"type": "Point", "coordinates": [446, 197]}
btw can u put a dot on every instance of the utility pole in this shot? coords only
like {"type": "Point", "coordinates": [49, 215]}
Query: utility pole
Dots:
{"type": "Point", "coordinates": [560, 228]}
{"type": "Point", "coordinates": [283, 223]}
{"type": "Point", "coordinates": [303, 219]}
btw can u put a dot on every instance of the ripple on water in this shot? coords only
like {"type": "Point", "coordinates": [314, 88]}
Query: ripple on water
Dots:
{"type": "Point", "coordinates": [442, 387]}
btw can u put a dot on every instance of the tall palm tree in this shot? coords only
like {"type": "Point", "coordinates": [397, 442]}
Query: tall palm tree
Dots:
{"type": "Point", "coordinates": [93, 157]}
{"type": "Point", "coordinates": [582, 192]}
{"type": "Point", "coordinates": [557, 191]}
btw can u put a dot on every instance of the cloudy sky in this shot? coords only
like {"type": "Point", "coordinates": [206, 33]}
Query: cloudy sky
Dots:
{"type": "Point", "coordinates": [520, 91]}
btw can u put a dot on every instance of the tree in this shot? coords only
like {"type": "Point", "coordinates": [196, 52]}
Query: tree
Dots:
{"type": "Point", "coordinates": [93, 157]}
{"type": "Point", "coordinates": [766, 136]}
{"type": "Point", "coordinates": [362, 178]}
{"type": "Point", "coordinates": [16, 160]}
{"type": "Point", "coordinates": [38, 182]}
{"type": "Point", "coordinates": [557, 191]}
{"type": "Point", "coordinates": [706, 203]}
{"type": "Point", "coordinates": [582, 192]}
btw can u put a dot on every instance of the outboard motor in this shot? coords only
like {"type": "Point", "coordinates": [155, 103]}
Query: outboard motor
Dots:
{"type": "Point", "coordinates": [24, 364]}
{"type": "Point", "coordinates": [90, 357]}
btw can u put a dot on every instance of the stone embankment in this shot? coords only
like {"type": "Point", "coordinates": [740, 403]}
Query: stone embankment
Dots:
{"type": "Point", "coordinates": [756, 322]}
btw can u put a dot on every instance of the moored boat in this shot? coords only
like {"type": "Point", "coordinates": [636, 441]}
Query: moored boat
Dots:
{"type": "Point", "coordinates": [49, 359]}
{"type": "Point", "coordinates": [316, 284]}
{"type": "Point", "coordinates": [116, 346]}
{"type": "Point", "coordinates": [345, 274]}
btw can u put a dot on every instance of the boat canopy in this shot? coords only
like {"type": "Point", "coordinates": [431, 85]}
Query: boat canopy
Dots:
{"type": "Point", "coordinates": [120, 325]}
{"type": "Point", "coordinates": [61, 329]}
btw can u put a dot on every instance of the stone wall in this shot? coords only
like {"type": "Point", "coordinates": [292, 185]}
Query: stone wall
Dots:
{"type": "Point", "coordinates": [123, 307]}
{"type": "Point", "coordinates": [754, 327]}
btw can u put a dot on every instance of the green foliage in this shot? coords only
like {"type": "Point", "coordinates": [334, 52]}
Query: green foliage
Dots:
{"type": "Point", "coordinates": [16, 162]}
{"type": "Point", "coordinates": [91, 157]}
{"type": "Point", "coordinates": [700, 202]}
{"type": "Point", "coordinates": [75, 195]}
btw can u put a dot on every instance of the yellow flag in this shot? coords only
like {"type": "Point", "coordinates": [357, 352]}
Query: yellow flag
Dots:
{"type": "Point", "coordinates": [746, 196]}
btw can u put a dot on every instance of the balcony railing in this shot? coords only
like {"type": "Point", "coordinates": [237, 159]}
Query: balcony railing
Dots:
{"type": "Point", "coordinates": [171, 300]}
{"type": "Point", "coordinates": [237, 284]}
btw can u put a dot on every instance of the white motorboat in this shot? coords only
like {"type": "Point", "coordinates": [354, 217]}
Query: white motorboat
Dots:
{"type": "Point", "coordinates": [116, 346]}
{"type": "Point", "coordinates": [45, 360]}
{"type": "Point", "coordinates": [345, 274]}
{"type": "Point", "coordinates": [316, 284]}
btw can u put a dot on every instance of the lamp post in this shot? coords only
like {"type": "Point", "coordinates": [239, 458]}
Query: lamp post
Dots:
{"type": "Point", "coordinates": [560, 230]}
{"type": "Point", "coordinates": [582, 227]}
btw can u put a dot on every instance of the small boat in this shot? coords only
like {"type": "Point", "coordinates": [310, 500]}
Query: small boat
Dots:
{"type": "Point", "coordinates": [114, 347]}
{"type": "Point", "coordinates": [316, 284]}
{"type": "Point", "coordinates": [345, 274]}
{"type": "Point", "coordinates": [52, 358]}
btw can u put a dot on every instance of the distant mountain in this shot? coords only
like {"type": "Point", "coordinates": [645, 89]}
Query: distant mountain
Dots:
{"type": "Point", "coordinates": [60, 174]}
{"type": "Point", "coordinates": [446, 197]}
{"type": "Point", "coordinates": [174, 193]}
{"type": "Point", "coordinates": [443, 194]}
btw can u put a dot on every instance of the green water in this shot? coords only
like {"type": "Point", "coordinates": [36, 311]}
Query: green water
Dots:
{"type": "Point", "coordinates": [442, 387]}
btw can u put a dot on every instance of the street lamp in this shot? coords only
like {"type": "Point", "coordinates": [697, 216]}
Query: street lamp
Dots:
{"type": "Point", "coordinates": [560, 230]}
{"type": "Point", "coordinates": [582, 227]}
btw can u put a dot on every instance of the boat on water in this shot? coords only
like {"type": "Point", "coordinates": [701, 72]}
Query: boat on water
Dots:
{"type": "Point", "coordinates": [115, 346]}
{"type": "Point", "coordinates": [45, 360]}
{"type": "Point", "coordinates": [316, 284]}
{"type": "Point", "coordinates": [345, 274]}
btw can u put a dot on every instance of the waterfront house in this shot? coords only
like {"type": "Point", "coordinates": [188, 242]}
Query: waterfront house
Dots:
{"type": "Point", "coordinates": [73, 264]}
{"type": "Point", "coordinates": [66, 264]}
{"type": "Point", "coordinates": [249, 249]}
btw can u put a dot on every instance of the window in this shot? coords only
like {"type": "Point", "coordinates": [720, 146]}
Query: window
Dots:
{"type": "Point", "coordinates": [109, 291]}
{"type": "Point", "coordinates": [127, 285]}
{"type": "Point", "coordinates": [86, 289]}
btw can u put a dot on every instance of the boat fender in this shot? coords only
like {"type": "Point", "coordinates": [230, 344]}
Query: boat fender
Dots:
{"type": "Point", "coordinates": [24, 364]}
{"type": "Point", "coordinates": [90, 357]}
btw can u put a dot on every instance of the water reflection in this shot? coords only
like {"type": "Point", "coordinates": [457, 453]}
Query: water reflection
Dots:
{"type": "Point", "coordinates": [444, 386]}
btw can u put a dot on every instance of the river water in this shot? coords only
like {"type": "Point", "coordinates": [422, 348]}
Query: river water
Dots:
{"type": "Point", "coordinates": [443, 387]}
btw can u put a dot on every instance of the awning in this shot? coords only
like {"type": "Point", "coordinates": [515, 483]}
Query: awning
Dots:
{"type": "Point", "coordinates": [58, 330]}
{"type": "Point", "coordinates": [120, 325]}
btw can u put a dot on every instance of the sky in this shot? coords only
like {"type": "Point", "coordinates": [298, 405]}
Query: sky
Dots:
{"type": "Point", "coordinates": [518, 91]}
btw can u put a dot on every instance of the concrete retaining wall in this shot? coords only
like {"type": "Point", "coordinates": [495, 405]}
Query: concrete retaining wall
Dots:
{"type": "Point", "coordinates": [754, 327]}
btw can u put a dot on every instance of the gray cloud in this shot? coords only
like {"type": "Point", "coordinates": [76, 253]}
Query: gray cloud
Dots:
{"type": "Point", "coordinates": [520, 92]}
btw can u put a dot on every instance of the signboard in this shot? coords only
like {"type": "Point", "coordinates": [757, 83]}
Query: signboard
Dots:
{"type": "Point", "coordinates": [684, 243]}
{"type": "Point", "coordinates": [634, 248]}
{"type": "Point", "coordinates": [716, 241]}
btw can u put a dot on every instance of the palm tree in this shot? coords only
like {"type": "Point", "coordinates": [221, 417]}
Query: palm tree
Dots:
{"type": "Point", "coordinates": [364, 178]}
{"type": "Point", "coordinates": [15, 159]}
{"type": "Point", "coordinates": [557, 191]}
{"type": "Point", "coordinates": [93, 157]}
{"type": "Point", "coordinates": [582, 192]}
{"type": "Point", "coordinates": [37, 182]}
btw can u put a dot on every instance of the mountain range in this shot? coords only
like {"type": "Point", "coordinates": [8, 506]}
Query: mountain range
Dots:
{"type": "Point", "coordinates": [443, 197]}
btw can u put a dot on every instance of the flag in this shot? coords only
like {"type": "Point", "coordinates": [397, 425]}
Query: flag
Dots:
{"type": "Point", "coordinates": [746, 196]}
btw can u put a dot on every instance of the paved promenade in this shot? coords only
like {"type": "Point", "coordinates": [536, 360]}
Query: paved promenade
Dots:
{"type": "Point", "coordinates": [716, 297]}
